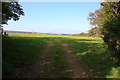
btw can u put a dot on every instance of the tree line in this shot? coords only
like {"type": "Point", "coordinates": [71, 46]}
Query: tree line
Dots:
{"type": "Point", "coordinates": [107, 20]}
{"type": "Point", "coordinates": [94, 32]}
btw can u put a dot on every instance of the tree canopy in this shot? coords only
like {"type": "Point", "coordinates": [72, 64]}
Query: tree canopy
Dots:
{"type": "Point", "coordinates": [11, 10]}
{"type": "Point", "coordinates": [95, 17]}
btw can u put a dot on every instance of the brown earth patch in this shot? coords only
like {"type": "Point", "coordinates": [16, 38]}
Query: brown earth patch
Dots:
{"type": "Point", "coordinates": [58, 41]}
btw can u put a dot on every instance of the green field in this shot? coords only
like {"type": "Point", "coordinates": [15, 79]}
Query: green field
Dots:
{"type": "Point", "coordinates": [22, 50]}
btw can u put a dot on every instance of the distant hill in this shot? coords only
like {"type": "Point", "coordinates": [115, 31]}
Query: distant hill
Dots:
{"type": "Point", "coordinates": [25, 32]}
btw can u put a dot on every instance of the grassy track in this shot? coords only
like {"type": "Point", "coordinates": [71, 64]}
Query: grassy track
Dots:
{"type": "Point", "coordinates": [57, 66]}
{"type": "Point", "coordinates": [19, 50]}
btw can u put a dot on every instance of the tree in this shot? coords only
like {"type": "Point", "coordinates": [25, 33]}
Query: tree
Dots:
{"type": "Point", "coordinates": [95, 17]}
{"type": "Point", "coordinates": [11, 10]}
{"type": "Point", "coordinates": [94, 31]}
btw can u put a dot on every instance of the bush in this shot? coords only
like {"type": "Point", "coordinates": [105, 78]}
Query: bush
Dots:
{"type": "Point", "coordinates": [110, 27]}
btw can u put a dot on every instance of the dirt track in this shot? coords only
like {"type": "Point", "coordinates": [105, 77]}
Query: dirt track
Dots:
{"type": "Point", "coordinates": [76, 69]}
{"type": "Point", "coordinates": [37, 70]}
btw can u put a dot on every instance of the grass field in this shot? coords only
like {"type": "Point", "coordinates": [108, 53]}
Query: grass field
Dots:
{"type": "Point", "coordinates": [20, 50]}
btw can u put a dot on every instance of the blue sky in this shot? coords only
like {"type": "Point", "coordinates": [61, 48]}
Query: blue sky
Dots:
{"type": "Point", "coordinates": [54, 17]}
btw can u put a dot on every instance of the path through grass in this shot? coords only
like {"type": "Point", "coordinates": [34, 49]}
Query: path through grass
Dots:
{"type": "Point", "coordinates": [22, 50]}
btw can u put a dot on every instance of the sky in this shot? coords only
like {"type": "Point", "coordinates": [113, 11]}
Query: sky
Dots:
{"type": "Point", "coordinates": [54, 17]}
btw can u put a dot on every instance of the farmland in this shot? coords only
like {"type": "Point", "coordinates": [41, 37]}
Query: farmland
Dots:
{"type": "Point", "coordinates": [57, 56]}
